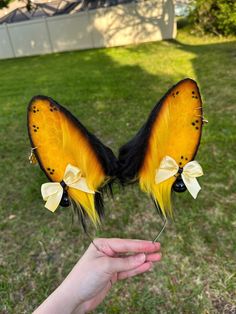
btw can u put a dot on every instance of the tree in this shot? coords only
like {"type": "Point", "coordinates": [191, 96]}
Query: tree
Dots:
{"type": "Point", "coordinates": [28, 4]}
{"type": "Point", "coordinates": [214, 16]}
{"type": "Point", "coordinates": [4, 3]}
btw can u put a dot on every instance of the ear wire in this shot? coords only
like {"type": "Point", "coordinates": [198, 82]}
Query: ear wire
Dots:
{"type": "Point", "coordinates": [162, 229]}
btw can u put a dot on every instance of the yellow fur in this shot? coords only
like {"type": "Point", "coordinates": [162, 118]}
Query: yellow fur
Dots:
{"type": "Point", "coordinates": [173, 134]}
{"type": "Point", "coordinates": [60, 142]}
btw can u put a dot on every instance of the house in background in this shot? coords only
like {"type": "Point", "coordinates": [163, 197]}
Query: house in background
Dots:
{"type": "Point", "coordinates": [67, 25]}
{"type": "Point", "coordinates": [17, 12]}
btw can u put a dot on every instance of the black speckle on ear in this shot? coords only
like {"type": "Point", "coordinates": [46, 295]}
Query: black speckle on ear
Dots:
{"type": "Point", "coordinates": [51, 110]}
{"type": "Point", "coordinates": [193, 123]}
{"type": "Point", "coordinates": [177, 92]}
{"type": "Point", "coordinates": [197, 128]}
{"type": "Point", "coordinates": [193, 92]}
{"type": "Point", "coordinates": [35, 128]}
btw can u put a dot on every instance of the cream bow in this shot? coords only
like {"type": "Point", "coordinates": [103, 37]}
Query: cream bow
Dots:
{"type": "Point", "coordinates": [192, 170]}
{"type": "Point", "coordinates": [52, 192]}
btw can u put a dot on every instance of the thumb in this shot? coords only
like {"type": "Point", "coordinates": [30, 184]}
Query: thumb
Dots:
{"type": "Point", "coordinates": [126, 263]}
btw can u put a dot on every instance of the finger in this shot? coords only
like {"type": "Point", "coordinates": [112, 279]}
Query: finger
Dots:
{"type": "Point", "coordinates": [153, 257]}
{"type": "Point", "coordinates": [113, 246]}
{"type": "Point", "coordinates": [118, 264]}
{"type": "Point", "coordinates": [136, 271]}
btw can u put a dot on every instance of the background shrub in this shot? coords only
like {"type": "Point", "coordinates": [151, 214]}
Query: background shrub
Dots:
{"type": "Point", "coordinates": [214, 16]}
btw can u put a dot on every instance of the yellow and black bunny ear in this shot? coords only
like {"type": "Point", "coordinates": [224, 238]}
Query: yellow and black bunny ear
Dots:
{"type": "Point", "coordinates": [166, 143]}
{"type": "Point", "coordinates": [76, 162]}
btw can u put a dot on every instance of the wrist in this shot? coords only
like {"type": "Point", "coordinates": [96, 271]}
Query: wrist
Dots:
{"type": "Point", "coordinates": [68, 294]}
{"type": "Point", "coordinates": [61, 301]}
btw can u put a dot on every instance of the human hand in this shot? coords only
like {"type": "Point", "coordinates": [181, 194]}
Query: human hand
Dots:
{"type": "Point", "coordinates": [104, 262]}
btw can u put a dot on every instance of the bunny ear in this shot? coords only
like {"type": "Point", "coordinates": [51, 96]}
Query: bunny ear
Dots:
{"type": "Point", "coordinates": [59, 139]}
{"type": "Point", "coordinates": [173, 129]}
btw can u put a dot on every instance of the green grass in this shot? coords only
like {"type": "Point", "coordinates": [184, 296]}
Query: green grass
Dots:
{"type": "Point", "coordinates": [112, 92]}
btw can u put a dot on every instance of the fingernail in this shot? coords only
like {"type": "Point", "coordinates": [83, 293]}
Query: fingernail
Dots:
{"type": "Point", "coordinates": [140, 257]}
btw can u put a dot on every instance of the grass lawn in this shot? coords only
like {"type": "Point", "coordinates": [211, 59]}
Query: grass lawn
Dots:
{"type": "Point", "coordinates": [112, 92]}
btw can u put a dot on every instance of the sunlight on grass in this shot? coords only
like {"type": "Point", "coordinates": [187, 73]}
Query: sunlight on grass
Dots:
{"type": "Point", "coordinates": [145, 56]}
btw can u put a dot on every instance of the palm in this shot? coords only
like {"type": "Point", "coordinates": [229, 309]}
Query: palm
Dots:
{"type": "Point", "coordinates": [92, 303]}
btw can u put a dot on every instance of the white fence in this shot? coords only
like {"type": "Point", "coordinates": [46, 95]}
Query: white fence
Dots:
{"type": "Point", "coordinates": [114, 26]}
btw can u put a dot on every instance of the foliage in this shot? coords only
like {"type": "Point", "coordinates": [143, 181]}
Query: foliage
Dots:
{"type": "Point", "coordinates": [28, 4]}
{"type": "Point", "coordinates": [112, 92]}
{"type": "Point", "coordinates": [4, 3]}
{"type": "Point", "coordinates": [214, 16]}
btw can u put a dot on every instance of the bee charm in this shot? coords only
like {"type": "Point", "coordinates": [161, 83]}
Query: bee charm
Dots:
{"type": "Point", "coordinates": [32, 157]}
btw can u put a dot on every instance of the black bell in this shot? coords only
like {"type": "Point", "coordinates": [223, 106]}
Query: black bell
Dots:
{"type": "Point", "coordinates": [65, 201]}
{"type": "Point", "coordinates": [179, 185]}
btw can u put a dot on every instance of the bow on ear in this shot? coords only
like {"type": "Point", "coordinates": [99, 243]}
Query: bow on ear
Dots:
{"type": "Point", "coordinates": [52, 192]}
{"type": "Point", "coordinates": [169, 168]}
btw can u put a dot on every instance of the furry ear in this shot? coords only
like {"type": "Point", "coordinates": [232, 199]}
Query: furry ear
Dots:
{"type": "Point", "coordinates": [58, 140]}
{"type": "Point", "coordinates": [173, 129]}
